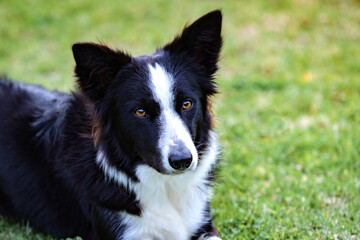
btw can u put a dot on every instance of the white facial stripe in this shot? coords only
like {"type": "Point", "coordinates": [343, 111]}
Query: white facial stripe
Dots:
{"type": "Point", "coordinates": [162, 86]}
{"type": "Point", "coordinates": [173, 127]}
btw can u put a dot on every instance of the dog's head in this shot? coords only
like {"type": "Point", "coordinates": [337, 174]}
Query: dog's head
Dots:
{"type": "Point", "coordinates": [155, 106]}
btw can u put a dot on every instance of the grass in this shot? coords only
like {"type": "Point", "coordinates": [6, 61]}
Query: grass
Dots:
{"type": "Point", "coordinates": [288, 115]}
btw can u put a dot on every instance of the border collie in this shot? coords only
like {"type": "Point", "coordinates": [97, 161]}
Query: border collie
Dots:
{"type": "Point", "coordinates": [130, 155]}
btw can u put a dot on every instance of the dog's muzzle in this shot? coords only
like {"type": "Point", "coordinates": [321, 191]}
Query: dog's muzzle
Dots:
{"type": "Point", "coordinates": [180, 157]}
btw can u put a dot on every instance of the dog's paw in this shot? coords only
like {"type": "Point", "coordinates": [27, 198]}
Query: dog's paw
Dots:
{"type": "Point", "coordinates": [208, 236]}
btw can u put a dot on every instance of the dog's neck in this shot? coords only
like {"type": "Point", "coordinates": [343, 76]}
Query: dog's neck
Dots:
{"type": "Point", "coordinates": [174, 204]}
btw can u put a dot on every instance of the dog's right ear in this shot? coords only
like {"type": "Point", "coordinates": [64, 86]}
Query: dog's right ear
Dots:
{"type": "Point", "coordinates": [202, 41]}
{"type": "Point", "coordinates": [96, 67]}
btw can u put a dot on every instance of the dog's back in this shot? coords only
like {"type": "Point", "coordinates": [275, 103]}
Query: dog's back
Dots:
{"type": "Point", "coordinates": [32, 112]}
{"type": "Point", "coordinates": [31, 124]}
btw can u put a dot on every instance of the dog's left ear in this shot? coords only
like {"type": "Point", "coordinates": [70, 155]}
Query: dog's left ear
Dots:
{"type": "Point", "coordinates": [202, 41]}
{"type": "Point", "coordinates": [96, 67]}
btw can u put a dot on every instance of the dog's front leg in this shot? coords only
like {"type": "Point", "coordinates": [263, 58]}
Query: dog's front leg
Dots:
{"type": "Point", "coordinates": [211, 233]}
{"type": "Point", "coordinates": [106, 224]}
{"type": "Point", "coordinates": [209, 236]}
{"type": "Point", "coordinates": [207, 231]}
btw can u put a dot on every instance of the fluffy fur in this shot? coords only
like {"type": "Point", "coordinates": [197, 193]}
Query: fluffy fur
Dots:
{"type": "Point", "coordinates": [130, 155]}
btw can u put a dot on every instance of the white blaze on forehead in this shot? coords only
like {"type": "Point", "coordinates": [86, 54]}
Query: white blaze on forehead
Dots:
{"type": "Point", "coordinates": [162, 86]}
{"type": "Point", "coordinates": [172, 127]}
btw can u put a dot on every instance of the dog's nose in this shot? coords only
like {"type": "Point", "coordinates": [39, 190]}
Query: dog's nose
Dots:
{"type": "Point", "coordinates": [180, 161]}
{"type": "Point", "coordinates": [180, 157]}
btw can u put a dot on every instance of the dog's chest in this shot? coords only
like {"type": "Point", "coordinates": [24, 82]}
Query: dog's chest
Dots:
{"type": "Point", "coordinates": [169, 210]}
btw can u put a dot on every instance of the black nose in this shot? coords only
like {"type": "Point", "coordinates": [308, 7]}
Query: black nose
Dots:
{"type": "Point", "coordinates": [180, 162]}
{"type": "Point", "coordinates": [180, 157]}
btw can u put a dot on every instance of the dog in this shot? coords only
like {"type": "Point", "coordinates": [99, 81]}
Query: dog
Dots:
{"type": "Point", "coordinates": [130, 155]}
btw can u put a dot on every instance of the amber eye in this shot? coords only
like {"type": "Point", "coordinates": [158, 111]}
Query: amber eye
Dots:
{"type": "Point", "coordinates": [186, 105]}
{"type": "Point", "coordinates": [140, 112]}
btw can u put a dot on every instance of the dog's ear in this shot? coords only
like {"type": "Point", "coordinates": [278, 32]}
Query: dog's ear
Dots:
{"type": "Point", "coordinates": [96, 67]}
{"type": "Point", "coordinates": [202, 41]}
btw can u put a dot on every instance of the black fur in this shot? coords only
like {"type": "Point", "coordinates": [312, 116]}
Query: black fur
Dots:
{"type": "Point", "coordinates": [49, 140]}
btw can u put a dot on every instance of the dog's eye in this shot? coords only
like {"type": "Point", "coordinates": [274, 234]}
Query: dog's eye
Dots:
{"type": "Point", "coordinates": [186, 105]}
{"type": "Point", "coordinates": [140, 112]}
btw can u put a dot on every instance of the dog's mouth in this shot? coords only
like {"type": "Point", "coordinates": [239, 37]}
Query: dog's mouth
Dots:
{"type": "Point", "coordinates": [175, 160]}
{"type": "Point", "coordinates": [176, 169]}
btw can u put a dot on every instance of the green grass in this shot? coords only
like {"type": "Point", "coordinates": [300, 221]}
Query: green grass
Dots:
{"type": "Point", "coordinates": [288, 114]}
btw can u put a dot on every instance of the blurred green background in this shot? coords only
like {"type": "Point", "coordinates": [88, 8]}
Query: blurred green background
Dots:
{"type": "Point", "coordinates": [288, 113]}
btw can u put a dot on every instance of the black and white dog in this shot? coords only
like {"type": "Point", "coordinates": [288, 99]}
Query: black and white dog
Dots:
{"type": "Point", "coordinates": [129, 156]}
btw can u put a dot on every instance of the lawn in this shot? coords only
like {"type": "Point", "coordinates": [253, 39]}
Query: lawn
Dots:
{"type": "Point", "coordinates": [288, 114]}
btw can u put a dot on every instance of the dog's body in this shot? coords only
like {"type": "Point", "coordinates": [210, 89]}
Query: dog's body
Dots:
{"type": "Point", "coordinates": [130, 156]}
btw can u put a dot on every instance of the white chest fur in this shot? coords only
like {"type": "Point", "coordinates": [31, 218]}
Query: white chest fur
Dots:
{"type": "Point", "coordinates": [172, 205]}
